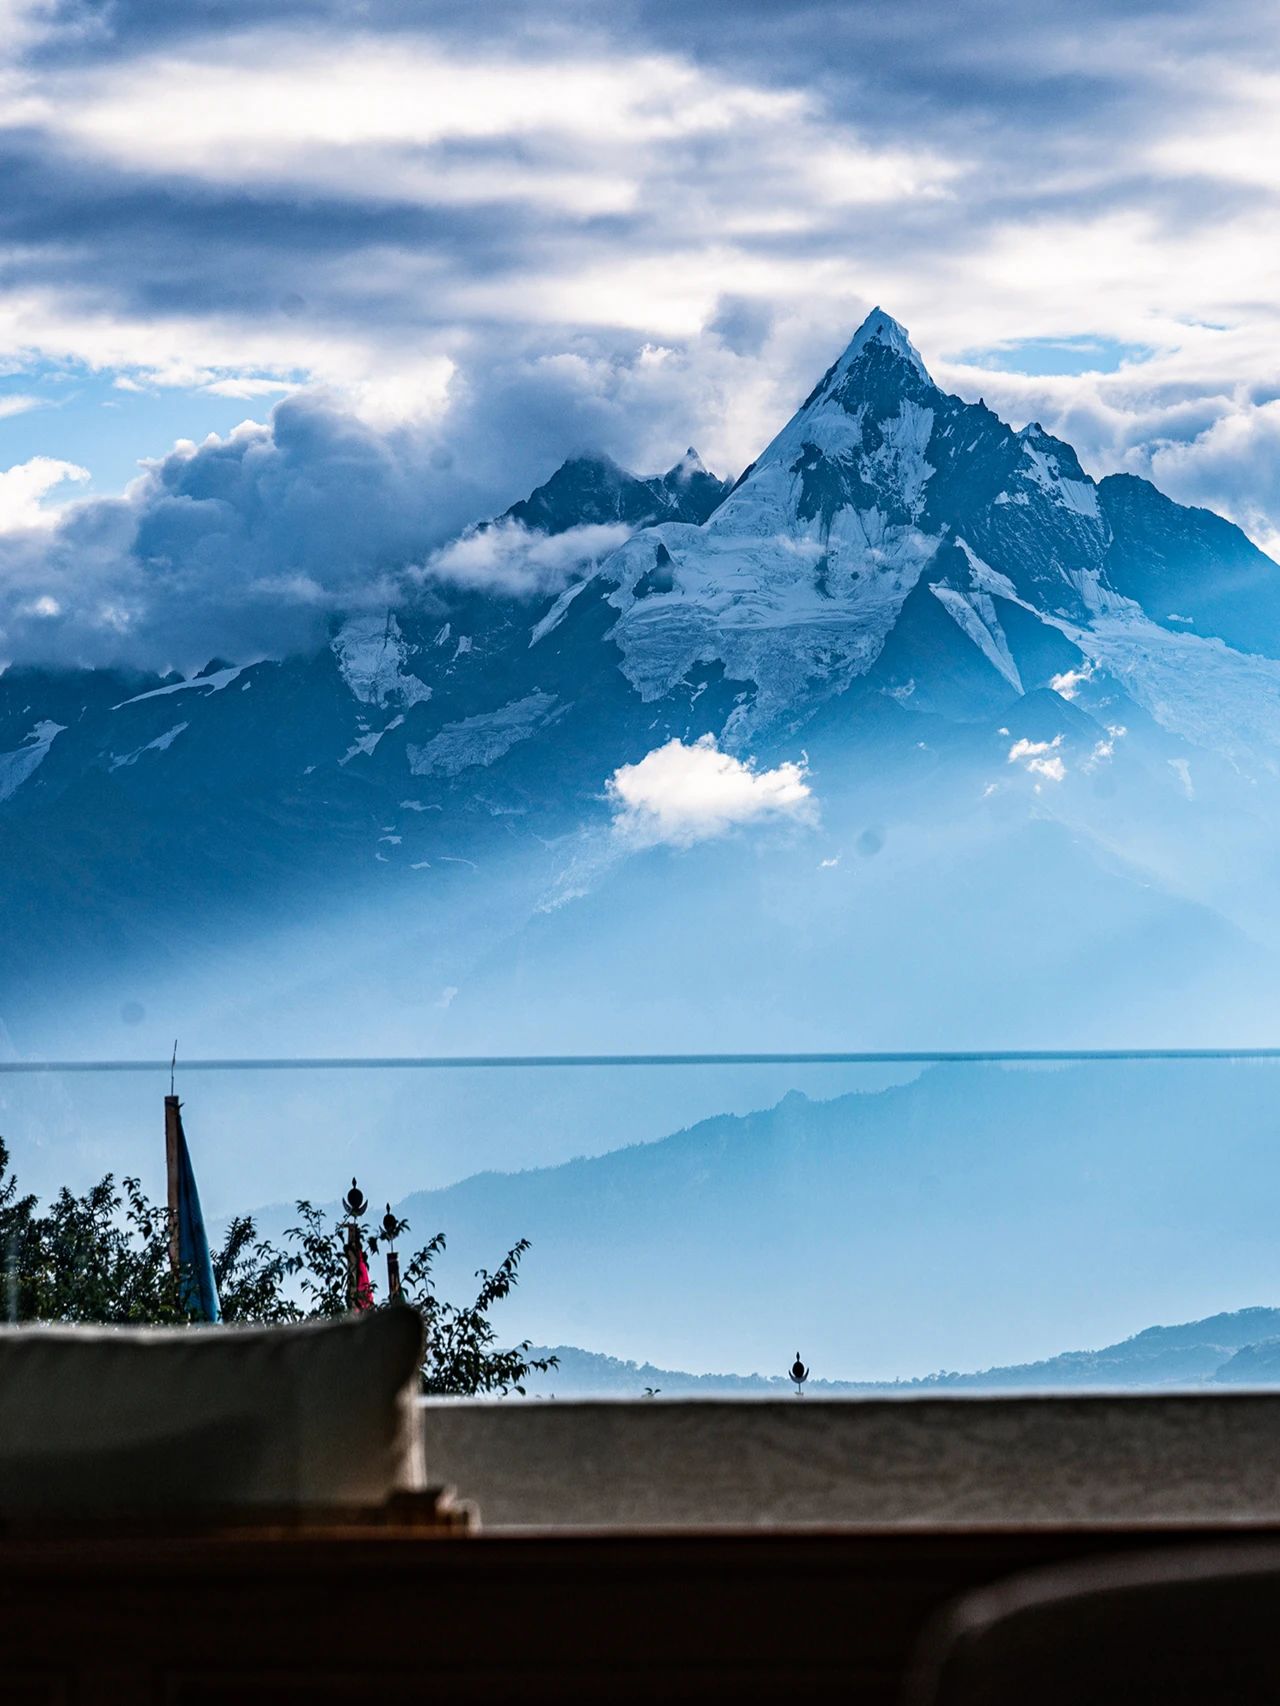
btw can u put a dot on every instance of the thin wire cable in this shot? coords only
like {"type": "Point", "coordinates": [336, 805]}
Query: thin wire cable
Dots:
{"type": "Point", "coordinates": [836, 1057]}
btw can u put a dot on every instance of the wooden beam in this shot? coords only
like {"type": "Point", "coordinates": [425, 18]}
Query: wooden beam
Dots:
{"type": "Point", "coordinates": [172, 1127]}
{"type": "Point", "coordinates": [353, 1264]}
{"type": "Point", "coordinates": [735, 1618]}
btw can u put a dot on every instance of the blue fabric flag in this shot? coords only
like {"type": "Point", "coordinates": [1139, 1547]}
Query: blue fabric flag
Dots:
{"type": "Point", "coordinates": [195, 1268]}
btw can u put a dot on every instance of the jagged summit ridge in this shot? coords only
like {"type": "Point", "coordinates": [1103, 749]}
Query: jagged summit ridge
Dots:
{"type": "Point", "coordinates": [800, 572]}
{"type": "Point", "coordinates": [882, 330]}
{"type": "Point", "coordinates": [795, 582]}
{"type": "Point", "coordinates": [879, 359]}
{"type": "Point", "coordinates": [890, 534]}
{"type": "Point", "coordinates": [595, 489]}
{"type": "Point", "coordinates": [688, 465]}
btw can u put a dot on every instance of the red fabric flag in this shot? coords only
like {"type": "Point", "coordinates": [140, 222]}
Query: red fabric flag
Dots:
{"type": "Point", "coordinates": [364, 1285]}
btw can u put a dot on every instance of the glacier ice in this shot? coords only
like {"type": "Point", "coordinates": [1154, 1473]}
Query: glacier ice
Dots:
{"type": "Point", "coordinates": [373, 657]}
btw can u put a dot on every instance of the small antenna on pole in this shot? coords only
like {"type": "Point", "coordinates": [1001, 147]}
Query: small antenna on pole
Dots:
{"type": "Point", "coordinates": [172, 1165]}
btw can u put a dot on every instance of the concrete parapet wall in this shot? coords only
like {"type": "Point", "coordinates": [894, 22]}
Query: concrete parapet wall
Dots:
{"type": "Point", "coordinates": [990, 1460]}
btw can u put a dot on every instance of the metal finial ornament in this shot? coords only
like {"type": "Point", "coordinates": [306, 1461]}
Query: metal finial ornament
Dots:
{"type": "Point", "coordinates": [799, 1374]}
{"type": "Point", "coordinates": [390, 1226]}
{"type": "Point", "coordinates": [355, 1202]}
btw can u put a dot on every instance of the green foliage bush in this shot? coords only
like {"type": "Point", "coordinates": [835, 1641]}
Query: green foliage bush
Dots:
{"type": "Point", "coordinates": [104, 1257]}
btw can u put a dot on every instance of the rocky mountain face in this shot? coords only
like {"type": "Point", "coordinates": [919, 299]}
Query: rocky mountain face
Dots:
{"type": "Point", "coordinates": [1064, 688]}
{"type": "Point", "coordinates": [593, 491]}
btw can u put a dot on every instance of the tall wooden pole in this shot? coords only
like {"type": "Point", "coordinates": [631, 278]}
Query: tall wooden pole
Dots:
{"type": "Point", "coordinates": [355, 1202]}
{"type": "Point", "coordinates": [353, 1264]}
{"type": "Point", "coordinates": [172, 1127]}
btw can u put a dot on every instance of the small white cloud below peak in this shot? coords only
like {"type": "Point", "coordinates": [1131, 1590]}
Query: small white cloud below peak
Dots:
{"type": "Point", "coordinates": [680, 794]}
{"type": "Point", "coordinates": [1039, 757]}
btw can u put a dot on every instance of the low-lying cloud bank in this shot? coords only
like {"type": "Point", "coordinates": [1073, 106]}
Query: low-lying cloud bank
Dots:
{"type": "Point", "coordinates": [511, 558]}
{"type": "Point", "coordinates": [1232, 466]}
{"type": "Point", "coordinates": [681, 794]}
{"type": "Point", "coordinates": [242, 546]}
{"type": "Point", "coordinates": [247, 546]}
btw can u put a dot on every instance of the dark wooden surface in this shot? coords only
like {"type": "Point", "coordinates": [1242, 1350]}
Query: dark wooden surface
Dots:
{"type": "Point", "coordinates": [243, 1621]}
{"type": "Point", "coordinates": [433, 1510]}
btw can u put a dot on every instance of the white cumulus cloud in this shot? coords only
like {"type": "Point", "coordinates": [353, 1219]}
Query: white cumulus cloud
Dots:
{"type": "Point", "coordinates": [1039, 757]}
{"type": "Point", "coordinates": [1069, 683]}
{"type": "Point", "coordinates": [22, 489]}
{"type": "Point", "coordinates": [683, 794]}
{"type": "Point", "coordinates": [1233, 466]}
{"type": "Point", "coordinates": [1105, 749]}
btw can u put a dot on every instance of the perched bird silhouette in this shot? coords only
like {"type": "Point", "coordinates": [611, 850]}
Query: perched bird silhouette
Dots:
{"type": "Point", "coordinates": [799, 1374]}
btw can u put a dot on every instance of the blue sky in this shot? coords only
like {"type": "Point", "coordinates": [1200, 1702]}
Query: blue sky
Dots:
{"type": "Point", "coordinates": [479, 239]}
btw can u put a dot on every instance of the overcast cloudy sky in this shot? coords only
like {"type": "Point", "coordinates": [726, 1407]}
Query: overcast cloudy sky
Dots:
{"type": "Point", "coordinates": [450, 244]}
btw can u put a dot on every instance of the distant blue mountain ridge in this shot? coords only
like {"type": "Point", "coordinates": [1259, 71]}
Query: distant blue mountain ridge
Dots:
{"type": "Point", "coordinates": [1240, 1348]}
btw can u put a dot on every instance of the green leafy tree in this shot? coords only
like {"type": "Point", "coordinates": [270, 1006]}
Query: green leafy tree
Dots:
{"type": "Point", "coordinates": [252, 1276]}
{"type": "Point", "coordinates": [96, 1257]}
{"type": "Point", "coordinates": [104, 1257]}
{"type": "Point", "coordinates": [462, 1353]}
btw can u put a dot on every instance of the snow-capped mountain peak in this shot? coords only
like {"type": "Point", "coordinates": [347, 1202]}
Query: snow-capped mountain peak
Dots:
{"type": "Point", "coordinates": [863, 427]}
{"type": "Point", "coordinates": [798, 576]}
{"type": "Point", "coordinates": [878, 364]}
{"type": "Point", "coordinates": [796, 581]}
{"type": "Point", "coordinates": [882, 330]}
{"type": "Point", "coordinates": [688, 465]}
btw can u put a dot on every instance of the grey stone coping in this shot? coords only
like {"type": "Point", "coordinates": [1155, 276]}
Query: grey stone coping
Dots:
{"type": "Point", "coordinates": [1172, 1457]}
